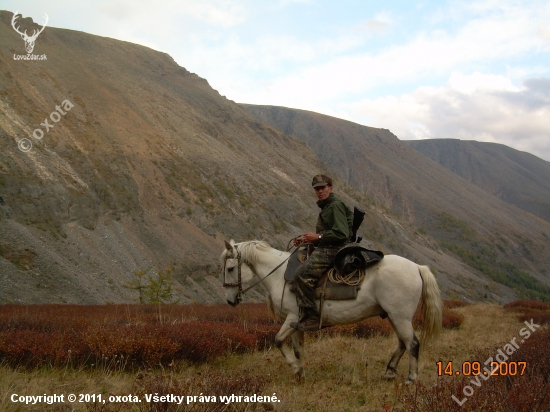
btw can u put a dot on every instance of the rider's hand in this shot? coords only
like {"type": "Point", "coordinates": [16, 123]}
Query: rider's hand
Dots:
{"type": "Point", "coordinates": [309, 237]}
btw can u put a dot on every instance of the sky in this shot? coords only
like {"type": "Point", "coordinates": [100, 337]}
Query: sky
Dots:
{"type": "Point", "coordinates": [471, 70]}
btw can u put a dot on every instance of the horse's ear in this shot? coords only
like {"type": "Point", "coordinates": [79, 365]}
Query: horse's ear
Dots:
{"type": "Point", "coordinates": [228, 245]}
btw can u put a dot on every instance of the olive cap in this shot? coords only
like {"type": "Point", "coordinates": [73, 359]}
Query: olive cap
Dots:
{"type": "Point", "coordinates": [321, 180]}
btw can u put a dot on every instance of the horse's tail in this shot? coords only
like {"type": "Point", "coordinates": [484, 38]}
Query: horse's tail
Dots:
{"type": "Point", "coordinates": [432, 306]}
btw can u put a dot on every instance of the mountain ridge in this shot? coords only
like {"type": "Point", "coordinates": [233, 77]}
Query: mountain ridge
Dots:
{"type": "Point", "coordinates": [518, 178]}
{"type": "Point", "coordinates": [153, 168]}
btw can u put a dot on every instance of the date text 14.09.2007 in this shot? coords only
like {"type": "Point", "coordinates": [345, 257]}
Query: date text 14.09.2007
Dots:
{"type": "Point", "coordinates": [475, 368]}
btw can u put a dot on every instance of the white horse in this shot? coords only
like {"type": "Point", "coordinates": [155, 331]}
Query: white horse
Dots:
{"type": "Point", "coordinates": [391, 287]}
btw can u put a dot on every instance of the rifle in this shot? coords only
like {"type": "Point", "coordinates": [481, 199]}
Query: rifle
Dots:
{"type": "Point", "coordinates": [358, 216]}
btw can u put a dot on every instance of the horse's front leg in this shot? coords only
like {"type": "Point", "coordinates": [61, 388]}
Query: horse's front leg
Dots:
{"type": "Point", "coordinates": [298, 347]}
{"type": "Point", "coordinates": [292, 357]}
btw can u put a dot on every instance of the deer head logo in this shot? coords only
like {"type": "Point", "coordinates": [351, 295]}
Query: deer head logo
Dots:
{"type": "Point", "coordinates": [29, 40]}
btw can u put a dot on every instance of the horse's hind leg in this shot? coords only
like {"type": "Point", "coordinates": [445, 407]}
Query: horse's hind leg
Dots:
{"type": "Point", "coordinates": [414, 350]}
{"type": "Point", "coordinates": [391, 369]}
{"type": "Point", "coordinates": [292, 357]}
{"type": "Point", "coordinates": [407, 340]}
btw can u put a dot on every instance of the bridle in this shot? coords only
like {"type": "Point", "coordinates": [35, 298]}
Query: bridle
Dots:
{"type": "Point", "coordinates": [239, 282]}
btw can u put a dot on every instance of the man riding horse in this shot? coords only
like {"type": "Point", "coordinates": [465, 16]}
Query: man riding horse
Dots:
{"type": "Point", "coordinates": [332, 232]}
{"type": "Point", "coordinates": [391, 287]}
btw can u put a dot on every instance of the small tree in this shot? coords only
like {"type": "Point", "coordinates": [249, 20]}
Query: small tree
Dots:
{"type": "Point", "coordinates": [139, 283]}
{"type": "Point", "coordinates": [153, 289]}
{"type": "Point", "coordinates": [159, 290]}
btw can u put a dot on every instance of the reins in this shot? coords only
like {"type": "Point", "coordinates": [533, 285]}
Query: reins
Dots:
{"type": "Point", "coordinates": [262, 279]}
{"type": "Point", "coordinates": [239, 283]}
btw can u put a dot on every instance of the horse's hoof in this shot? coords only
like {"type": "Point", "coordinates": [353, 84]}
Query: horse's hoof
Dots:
{"type": "Point", "coordinates": [300, 376]}
{"type": "Point", "coordinates": [389, 376]}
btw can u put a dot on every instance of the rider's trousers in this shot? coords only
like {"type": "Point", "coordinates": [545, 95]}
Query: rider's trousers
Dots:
{"type": "Point", "coordinates": [307, 275]}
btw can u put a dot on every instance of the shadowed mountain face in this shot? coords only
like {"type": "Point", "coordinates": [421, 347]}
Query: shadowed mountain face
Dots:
{"type": "Point", "coordinates": [486, 233]}
{"type": "Point", "coordinates": [137, 163]}
{"type": "Point", "coordinates": [518, 178]}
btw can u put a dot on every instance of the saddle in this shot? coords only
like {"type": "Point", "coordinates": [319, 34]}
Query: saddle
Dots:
{"type": "Point", "coordinates": [351, 258]}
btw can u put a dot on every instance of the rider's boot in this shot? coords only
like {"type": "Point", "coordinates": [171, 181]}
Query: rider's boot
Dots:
{"type": "Point", "coordinates": [309, 322]}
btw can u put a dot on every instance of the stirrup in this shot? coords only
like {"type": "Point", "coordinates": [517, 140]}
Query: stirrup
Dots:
{"type": "Point", "coordinates": [313, 324]}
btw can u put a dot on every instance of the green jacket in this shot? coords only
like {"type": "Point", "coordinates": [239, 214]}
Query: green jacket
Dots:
{"type": "Point", "coordinates": [334, 221]}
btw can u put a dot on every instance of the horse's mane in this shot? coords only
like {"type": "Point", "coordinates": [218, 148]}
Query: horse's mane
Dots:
{"type": "Point", "coordinates": [249, 250]}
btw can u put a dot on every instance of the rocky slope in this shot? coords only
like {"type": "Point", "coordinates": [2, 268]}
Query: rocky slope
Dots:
{"type": "Point", "coordinates": [151, 167]}
{"type": "Point", "coordinates": [518, 178]}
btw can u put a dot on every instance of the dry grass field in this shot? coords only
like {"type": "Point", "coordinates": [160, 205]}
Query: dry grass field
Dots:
{"type": "Point", "coordinates": [343, 373]}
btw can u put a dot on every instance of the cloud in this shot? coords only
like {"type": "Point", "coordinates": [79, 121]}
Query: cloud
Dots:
{"type": "Point", "coordinates": [503, 35]}
{"type": "Point", "coordinates": [284, 3]}
{"type": "Point", "coordinates": [380, 23]}
{"type": "Point", "coordinates": [251, 69]}
{"type": "Point", "coordinates": [471, 107]}
{"type": "Point", "coordinates": [375, 25]}
{"type": "Point", "coordinates": [217, 13]}
{"type": "Point", "coordinates": [478, 81]}
{"type": "Point", "coordinates": [544, 32]}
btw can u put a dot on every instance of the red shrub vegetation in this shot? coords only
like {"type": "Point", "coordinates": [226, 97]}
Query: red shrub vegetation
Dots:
{"type": "Point", "coordinates": [128, 336]}
{"type": "Point", "coordinates": [451, 304]}
{"type": "Point", "coordinates": [539, 317]}
{"type": "Point", "coordinates": [452, 320]}
{"type": "Point", "coordinates": [365, 329]}
{"type": "Point", "coordinates": [31, 347]}
{"type": "Point", "coordinates": [521, 305]}
{"type": "Point", "coordinates": [531, 309]}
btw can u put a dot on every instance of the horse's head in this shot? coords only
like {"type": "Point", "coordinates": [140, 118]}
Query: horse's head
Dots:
{"type": "Point", "coordinates": [236, 272]}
